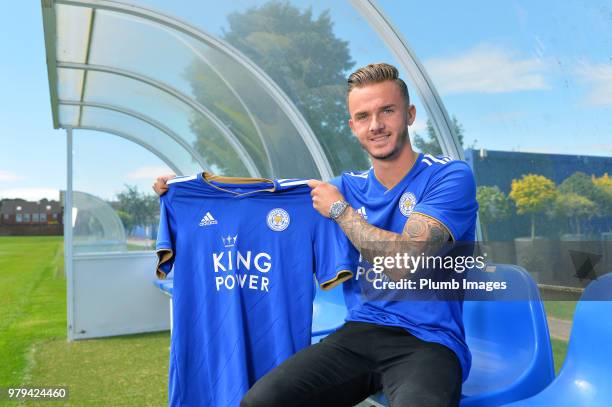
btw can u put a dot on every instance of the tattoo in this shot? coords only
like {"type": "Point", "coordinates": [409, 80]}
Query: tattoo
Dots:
{"type": "Point", "coordinates": [421, 235]}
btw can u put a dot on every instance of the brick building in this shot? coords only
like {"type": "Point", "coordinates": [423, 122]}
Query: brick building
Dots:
{"type": "Point", "coordinates": [21, 217]}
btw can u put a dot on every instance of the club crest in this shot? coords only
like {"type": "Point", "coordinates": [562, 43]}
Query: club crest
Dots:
{"type": "Point", "coordinates": [278, 219]}
{"type": "Point", "coordinates": [407, 203]}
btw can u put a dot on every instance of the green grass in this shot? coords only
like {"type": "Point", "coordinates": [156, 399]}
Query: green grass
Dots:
{"type": "Point", "coordinates": [121, 371]}
{"type": "Point", "coordinates": [560, 309]}
{"type": "Point", "coordinates": [32, 300]}
{"type": "Point", "coordinates": [559, 349]}
{"type": "Point", "coordinates": [128, 370]}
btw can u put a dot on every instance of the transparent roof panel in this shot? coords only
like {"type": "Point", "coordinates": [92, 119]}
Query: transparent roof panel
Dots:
{"type": "Point", "coordinates": [522, 76]}
{"type": "Point", "coordinates": [96, 226]}
{"type": "Point", "coordinates": [69, 115]}
{"type": "Point", "coordinates": [211, 78]}
{"type": "Point", "coordinates": [197, 132]}
{"type": "Point", "coordinates": [73, 26]}
{"type": "Point", "coordinates": [274, 73]}
{"type": "Point", "coordinates": [148, 136]}
{"type": "Point", "coordinates": [70, 83]}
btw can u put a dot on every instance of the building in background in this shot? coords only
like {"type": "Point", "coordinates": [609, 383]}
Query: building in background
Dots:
{"type": "Point", "coordinates": [19, 217]}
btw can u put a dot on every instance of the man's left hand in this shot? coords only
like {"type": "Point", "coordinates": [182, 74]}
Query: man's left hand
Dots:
{"type": "Point", "coordinates": [323, 195]}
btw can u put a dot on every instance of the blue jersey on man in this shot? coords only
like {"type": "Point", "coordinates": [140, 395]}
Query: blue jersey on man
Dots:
{"type": "Point", "coordinates": [437, 187]}
{"type": "Point", "coordinates": [244, 252]}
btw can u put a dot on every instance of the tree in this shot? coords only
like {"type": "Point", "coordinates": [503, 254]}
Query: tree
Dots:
{"type": "Point", "coordinates": [581, 184]}
{"type": "Point", "coordinates": [493, 206]}
{"type": "Point", "coordinates": [300, 52]}
{"type": "Point", "coordinates": [603, 185]}
{"type": "Point", "coordinates": [431, 145]}
{"type": "Point", "coordinates": [574, 206]}
{"type": "Point", "coordinates": [532, 194]}
{"type": "Point", "coordinates": [137, 209]}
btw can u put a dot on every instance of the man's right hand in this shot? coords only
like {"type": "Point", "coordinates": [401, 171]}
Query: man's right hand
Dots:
{"type": "Point", "coordinates": [160, 186]}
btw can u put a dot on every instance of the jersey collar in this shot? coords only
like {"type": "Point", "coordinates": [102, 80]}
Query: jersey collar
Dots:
{"type": "Point", "coordinates": [377, 186]}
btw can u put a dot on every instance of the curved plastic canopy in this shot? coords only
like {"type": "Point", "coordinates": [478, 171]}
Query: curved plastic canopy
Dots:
{"type": "Point", "coordinates": [257, 91]}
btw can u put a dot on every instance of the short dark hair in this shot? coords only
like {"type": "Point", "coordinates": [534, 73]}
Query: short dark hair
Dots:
{"type": "Point", "coordinates": [376, 73]}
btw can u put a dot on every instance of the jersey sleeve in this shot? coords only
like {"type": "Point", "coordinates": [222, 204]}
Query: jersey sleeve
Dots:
{"type": "Point", "coordinates": [164, 246]}
{"type": "Point", "coordinates": [451, 199]}
{"type": "Point", "coordinates": [333, 262]}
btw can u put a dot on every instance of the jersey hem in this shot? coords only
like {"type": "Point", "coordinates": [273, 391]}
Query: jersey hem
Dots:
{"type": "Point", "coordinates": [163, 256]}
{"type": "Point", "coordinates": [341, 277]}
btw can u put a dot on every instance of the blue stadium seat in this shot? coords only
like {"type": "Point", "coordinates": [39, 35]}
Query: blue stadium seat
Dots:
{"type": "Point", "coordinates": [165, 286]}
{"type": "Point", "coordinates": [585, 378]}
{"type": "Point", "coordinates": [328, 312]}
{"type": "Point", "coordinates": [509, 341]}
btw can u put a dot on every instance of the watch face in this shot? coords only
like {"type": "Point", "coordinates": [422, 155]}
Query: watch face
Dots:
{"type": "Point", "coordinates": [336, 209]}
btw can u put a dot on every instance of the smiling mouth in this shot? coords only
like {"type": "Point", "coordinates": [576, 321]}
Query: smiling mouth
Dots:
{"type": "Point", "coordinates": [380, 138]}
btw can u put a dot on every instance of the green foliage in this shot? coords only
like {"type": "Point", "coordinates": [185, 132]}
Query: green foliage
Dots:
{"type": "Point", "coordinates": [431, 145]}
{"type": "Point", "coordinates": [532, 194]}
{"type": "Point", "coordinates": [494, 206]}
{"type": "Point", "coordinates": [310, 64]}
{"type": "Point", "coordinates": [603, 199]}
{"type": "Point", "coordinates": [137, 209]}
{"type": "Point", "coordinates": [574, 206]}
{"type": "Point", "coordinates": [581, 184]}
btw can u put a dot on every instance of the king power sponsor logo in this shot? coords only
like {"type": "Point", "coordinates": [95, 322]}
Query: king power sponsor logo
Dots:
{"type": "Point", "coordinates": [240, 269]}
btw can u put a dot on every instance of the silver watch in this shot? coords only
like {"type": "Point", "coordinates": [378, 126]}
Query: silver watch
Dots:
{"type": "Point", "coordinates": [337, 209]}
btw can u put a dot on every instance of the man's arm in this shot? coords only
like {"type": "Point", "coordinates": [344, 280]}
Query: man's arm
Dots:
{"type": "Point", "coordinates": [421, 235]}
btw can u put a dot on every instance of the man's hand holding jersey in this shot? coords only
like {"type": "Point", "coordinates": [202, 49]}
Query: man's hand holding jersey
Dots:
{"type": "Point", "coordinates": [160, 186]}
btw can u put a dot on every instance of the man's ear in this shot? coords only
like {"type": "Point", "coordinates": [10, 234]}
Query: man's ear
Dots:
{"type": "Point", "coordinates": [351, 124]}
{"type": "Point", "coordinates": [411, 114]}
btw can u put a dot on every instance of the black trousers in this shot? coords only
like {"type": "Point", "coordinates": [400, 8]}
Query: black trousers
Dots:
{"type": "Point", "coordinates": [358, 360]}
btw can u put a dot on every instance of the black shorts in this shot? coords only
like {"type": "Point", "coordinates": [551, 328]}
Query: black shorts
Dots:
{"type": "Point", "coordinates": [360, 359]}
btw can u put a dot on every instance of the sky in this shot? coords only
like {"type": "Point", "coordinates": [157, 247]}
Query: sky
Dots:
{"type": "Point", "coordinates": [518, 75]}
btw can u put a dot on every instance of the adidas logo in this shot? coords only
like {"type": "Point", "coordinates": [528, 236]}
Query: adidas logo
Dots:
{"type": "Point", "coordinates": [362, 212]}
{"type": "Point", "coordinates": [208, 220]}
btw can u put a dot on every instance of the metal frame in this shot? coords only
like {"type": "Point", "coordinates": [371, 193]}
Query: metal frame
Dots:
{"type": "Point", "coordinates": [49, 27]}
{"type": "Point", "coordinates": [136, 115]}
{"type": "Point", "coordinates": [225, 131]}
{"type": "Point", "coordinates": [401, 50]}
{"type": "Point", "coordinates": [277, 94]}
{"type": "Point", "coordinates": [68, 235]}
{"type": "Point", "coordinates": [133, 139]}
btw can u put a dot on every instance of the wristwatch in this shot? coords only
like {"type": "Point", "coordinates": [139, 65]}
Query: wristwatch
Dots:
{"type": "Point", "coordinates": [337, 209]}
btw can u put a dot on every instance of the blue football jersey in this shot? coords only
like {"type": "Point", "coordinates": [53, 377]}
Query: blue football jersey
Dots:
{"type": "Point", "coordinates": [437, 187]}
{"type": "Point", "coordinates": [244, 253]}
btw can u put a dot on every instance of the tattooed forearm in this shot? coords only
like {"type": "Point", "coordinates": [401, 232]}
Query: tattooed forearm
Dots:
{"type": "Point", "coordinates": [421, 235]}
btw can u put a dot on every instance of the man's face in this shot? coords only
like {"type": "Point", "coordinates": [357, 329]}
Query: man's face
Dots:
{"type": "Point", "coordinates": [380, 119]}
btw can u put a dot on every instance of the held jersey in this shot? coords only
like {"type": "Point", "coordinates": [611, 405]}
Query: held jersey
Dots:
{"type": "Point", "coordinates": [244, 252]}
{"type": "Point", "coordinates": [437, 187]}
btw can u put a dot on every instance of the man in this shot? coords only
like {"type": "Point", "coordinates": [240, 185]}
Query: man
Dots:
{"type": "Point", "coordinates": [414, 351]}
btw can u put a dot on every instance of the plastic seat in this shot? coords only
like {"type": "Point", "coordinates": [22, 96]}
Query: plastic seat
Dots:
{"type": "Point", "coordinates": [585, 378]}
{"type": "Point", "coordinates": [509, 341]}
{"type": "Point", "coordinates": [166, 286]}
{"type": "Point", "coordinates": [328, 312]}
